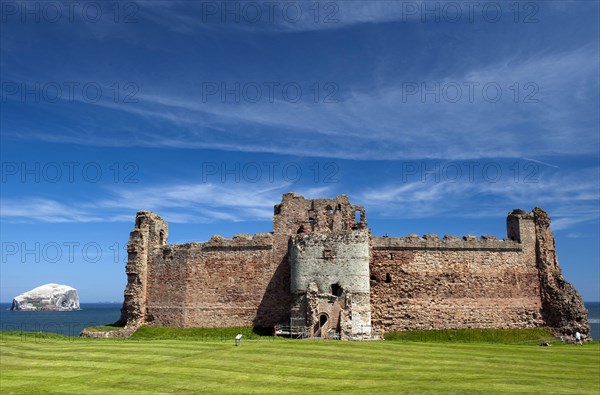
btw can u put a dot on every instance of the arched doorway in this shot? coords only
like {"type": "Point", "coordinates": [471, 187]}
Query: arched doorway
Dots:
{"type": "Point", "coordinates": [323, 318]}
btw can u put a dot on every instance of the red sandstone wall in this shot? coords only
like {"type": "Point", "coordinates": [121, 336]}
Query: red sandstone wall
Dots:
{"type": "Point", "coordinates": [453, 283]}
{"type": "Point", "coordinates": [165, 295]}
{"type": "Point", "coordinates": [221, 283]}
{"type": "Point", "coordinates": [226, 287]}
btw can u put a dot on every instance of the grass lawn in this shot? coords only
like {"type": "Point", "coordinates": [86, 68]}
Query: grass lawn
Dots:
{"type": "Point", "coordinates": [262, 365]}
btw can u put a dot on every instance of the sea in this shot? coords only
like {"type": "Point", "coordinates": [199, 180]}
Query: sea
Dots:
{"type": "Point", "coordinates": [70, 323]}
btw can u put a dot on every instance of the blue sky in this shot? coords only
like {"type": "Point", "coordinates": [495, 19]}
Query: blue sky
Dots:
{"type": "Point", "coordinates": [438, 117]}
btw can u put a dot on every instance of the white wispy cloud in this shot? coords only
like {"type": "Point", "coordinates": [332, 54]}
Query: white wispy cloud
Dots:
{"type": "Point", "coordinates": [186, 17]}
{"type": "Point", "coordinates": [43, 210]}
{"type": "Point", "coordinates": [385, 122]}
{"type": "Point", "coordinates": [571, 199]}
{"type": "Point", "coordinates": [177, 203]}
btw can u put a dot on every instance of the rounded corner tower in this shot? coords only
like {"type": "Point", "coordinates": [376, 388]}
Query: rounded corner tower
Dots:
{"type": "Point", "coordinates": [330, 283]}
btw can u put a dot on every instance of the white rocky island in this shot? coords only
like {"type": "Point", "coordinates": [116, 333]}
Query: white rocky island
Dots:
{"type": "Point", "coordinates": [48, 297]}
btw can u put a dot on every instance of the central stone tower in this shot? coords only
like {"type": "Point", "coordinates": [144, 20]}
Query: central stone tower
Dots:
{"type": "Point", "coordinates": [329, 255]}
{"type": "Point", "coordinates": [330, 284]}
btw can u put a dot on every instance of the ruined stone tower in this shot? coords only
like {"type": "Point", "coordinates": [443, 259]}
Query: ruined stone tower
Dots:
{"type": "Point", "coordinates": [322, 268]}
{"type": "Point", "coordinates": [330, 283]}
{"type": "Point", "coordinates": [150, 233]}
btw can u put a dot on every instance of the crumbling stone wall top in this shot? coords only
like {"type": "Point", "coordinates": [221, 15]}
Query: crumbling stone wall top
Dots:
{"type": "Point", "coordinates": [241, 239]}
{"type": "Point", "coordinates": [260, 241]}
{"type": "Point", "coordinates": [296, 214]}
{"type": "Point", "coordinates": [449, 242]}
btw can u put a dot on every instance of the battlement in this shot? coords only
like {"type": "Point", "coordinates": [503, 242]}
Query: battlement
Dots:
{"type": "Point", "coordinates": [447, 243]}
{"type": "Point", "coordinates": [241, 242]}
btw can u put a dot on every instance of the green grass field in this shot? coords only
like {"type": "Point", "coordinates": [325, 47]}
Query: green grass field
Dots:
{"type": "Point", "coordinates": [31, 364]}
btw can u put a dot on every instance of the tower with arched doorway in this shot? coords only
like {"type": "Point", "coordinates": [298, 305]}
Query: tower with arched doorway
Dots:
{"type": "Point", "coordinates": [330, 283]}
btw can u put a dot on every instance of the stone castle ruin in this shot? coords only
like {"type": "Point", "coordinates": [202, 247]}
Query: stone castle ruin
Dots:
{"type": "Point", "coordinates": [322, 269]}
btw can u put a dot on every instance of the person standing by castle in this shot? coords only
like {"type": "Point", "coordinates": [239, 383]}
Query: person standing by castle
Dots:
{"type": "Point", "coordinates": [578, 338]}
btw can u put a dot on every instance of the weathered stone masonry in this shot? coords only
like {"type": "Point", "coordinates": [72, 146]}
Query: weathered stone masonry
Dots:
{"type": "Point", "coordinates": [322, 267]}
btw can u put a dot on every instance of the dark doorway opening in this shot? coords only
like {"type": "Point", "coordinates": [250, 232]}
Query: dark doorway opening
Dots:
{"type": "Point", "coordinates": [322, 320]}
{"type": "Point", "coordinates": [336, 289]}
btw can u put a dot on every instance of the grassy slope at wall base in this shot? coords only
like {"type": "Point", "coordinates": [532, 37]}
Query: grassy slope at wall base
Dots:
{"type": "Point", "coordinates": [166, 333]}
{"type": "Point", "coordinates": [38, 363]}
{"type": "Point", "coordinates": [503, 336]}
{"type": "Point", "coordinates": [102, 328]}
